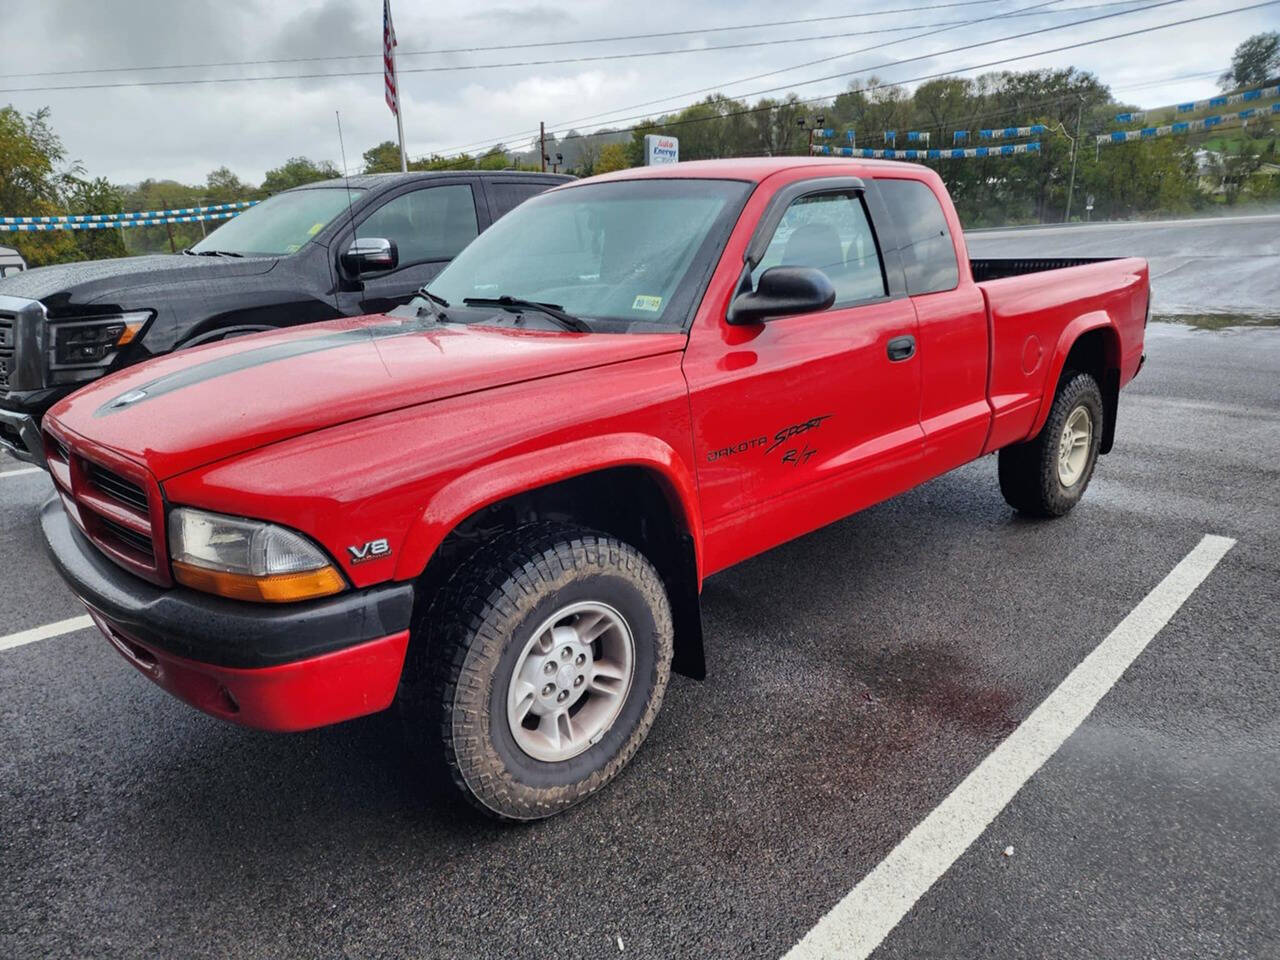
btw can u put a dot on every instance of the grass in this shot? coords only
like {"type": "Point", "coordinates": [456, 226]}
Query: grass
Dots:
{"type": "Point", "coordinates": [1217, 321]}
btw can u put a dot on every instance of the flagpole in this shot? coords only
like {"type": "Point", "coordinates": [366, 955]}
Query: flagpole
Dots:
{"type": "Point", "coordinates": [390, 78]}
{"type": "Point", "coordinates": [404, 161]}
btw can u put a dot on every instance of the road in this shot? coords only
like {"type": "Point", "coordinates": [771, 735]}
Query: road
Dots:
{"type": "Point", "coordinates": [857, 676]}
{"type": "Point", "coordinates": [1219, 265]}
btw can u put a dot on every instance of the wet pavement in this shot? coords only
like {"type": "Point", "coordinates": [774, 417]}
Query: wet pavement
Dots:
{"type": "Point", "coordinates": [1200, 265]}
{"type": "Point", "coordinates": [856, 676]}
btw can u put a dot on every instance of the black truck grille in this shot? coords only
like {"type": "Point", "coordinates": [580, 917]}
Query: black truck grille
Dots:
{"type": "Point", "coordinates": [6, 348]}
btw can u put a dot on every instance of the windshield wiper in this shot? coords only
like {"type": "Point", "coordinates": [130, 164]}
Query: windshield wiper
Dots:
{"type": "Point", "coordinates": [433, 304]}
{"type": "Point", "coordinates": [552, 310]}
{"type": "Point", "coordinates": [213, 253]}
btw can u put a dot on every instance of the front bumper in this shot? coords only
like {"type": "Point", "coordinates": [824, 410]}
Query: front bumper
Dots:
{"type": "Point", "coordinates": [276, 668]}
{"type": "Point", "coordinates": [20, 435]}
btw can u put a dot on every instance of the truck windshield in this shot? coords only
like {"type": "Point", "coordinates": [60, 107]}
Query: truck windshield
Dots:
{"type": "Point", "coordinates": [279, 225]}
{"type": "Point", "coordinates": [619, 255]}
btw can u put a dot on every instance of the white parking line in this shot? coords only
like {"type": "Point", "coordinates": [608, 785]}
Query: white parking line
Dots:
{"type": "Point", "coordinates": [858, 923]}
{"type": "Point", "coordinates": [19, 472]}
{"type": "Point", "coordinates": [44, 633]}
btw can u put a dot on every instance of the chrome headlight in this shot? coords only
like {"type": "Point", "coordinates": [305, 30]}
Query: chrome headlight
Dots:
{"type": "Point", "coordinates": [247, 559]}
{"type": "Point", "coordinates": [82, 349]}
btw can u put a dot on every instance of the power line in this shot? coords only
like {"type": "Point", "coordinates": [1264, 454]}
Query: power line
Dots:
{"type": "Point", "coordinates": [937, 76]}
{"type": "Point", "coordinates": [808, 63]}
{"type": "Point", "coordinates": [982, 43]}
{"type": "Point", "coordinates": [506, 46]}
{"type": "Point", "coordinates": [1025, 108]}
{"type": "Point", "coordinates": [595, 58]}
{"type": "Point", "coordinates": [1021, 11]}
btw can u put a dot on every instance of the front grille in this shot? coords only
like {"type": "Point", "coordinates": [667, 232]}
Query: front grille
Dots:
{"type": "Point", "coordinates": [6, 349]}
{"type": "Point", "coordinates": [112, 505]}
{"type": "Point", "coordinates": [130, 539]}
{"type": "Point", "coordinates": [118, 488]}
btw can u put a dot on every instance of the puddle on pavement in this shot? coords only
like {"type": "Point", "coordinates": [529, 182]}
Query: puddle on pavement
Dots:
{"type": "Point", "coordinates": [1217, 321]}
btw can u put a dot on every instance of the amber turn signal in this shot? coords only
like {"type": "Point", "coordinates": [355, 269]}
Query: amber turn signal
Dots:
{"type": "Point", "coordinates": [272, 588]}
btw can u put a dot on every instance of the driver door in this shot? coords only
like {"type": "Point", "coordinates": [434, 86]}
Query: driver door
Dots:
{"type": "Point", "coordinates": [429, 226]}
{"type": "Point", "coordinates": [804, 419]}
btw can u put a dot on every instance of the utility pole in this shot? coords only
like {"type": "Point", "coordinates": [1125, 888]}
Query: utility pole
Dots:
{"type": "Point", "coordinates": [1071, 186]}
{"type": "Point", "coordinates": [805, 124]}
{"type": "Point", "coordinates": [168, 226]}
{"type": "Point", "coordinates": [542, 145]}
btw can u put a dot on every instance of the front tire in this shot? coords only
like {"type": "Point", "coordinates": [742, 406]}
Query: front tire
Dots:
{"type": "Point", "coordinates": [1047, 475]}
{"type": "Point", "coordinates": [538, 670]}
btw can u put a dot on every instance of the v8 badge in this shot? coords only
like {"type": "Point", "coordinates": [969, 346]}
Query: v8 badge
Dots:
{"type": "Point", "coordinates": [371, 550]}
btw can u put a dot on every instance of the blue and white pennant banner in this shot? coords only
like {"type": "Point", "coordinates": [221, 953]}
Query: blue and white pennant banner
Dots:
{"type": "Point", "coordinates": [1186, 126]}
{"type": "Point", "coordinates": [1226, 100]}
{"type": "Point", "coordinates": [141, 215]}
{"type": "Point", "coordinates": [958, 153]}
{"type": "Point", "coordinates": [913, 136]}
{"type": "Point", "coordinates": [1001, 133]}
{"type": "Point", "coordinates": [828, 133]}
{"type": "Point", "coordinates": [8, 226]}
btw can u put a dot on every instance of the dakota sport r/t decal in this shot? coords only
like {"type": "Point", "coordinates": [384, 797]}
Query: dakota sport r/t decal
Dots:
{"type": "Point", "coordinates": [792, 455]}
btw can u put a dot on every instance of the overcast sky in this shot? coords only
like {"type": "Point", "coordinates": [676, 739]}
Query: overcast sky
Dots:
{"type": "Point", "coordinates": [183, 132]}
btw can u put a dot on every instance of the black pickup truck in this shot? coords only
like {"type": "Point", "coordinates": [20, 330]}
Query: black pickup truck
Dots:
{"type": "Point", "coordinates": [330, 249]}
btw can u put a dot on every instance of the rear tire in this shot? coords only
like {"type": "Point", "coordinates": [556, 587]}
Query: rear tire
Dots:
{"type": "Point", "coordinates": [538, 670]}
{"type": "Point", "coordinates": [1047, 475]}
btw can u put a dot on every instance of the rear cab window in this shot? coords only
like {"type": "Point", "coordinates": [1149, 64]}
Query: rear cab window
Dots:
{"type": "Point", "coordinates": [927, 249]}
{"type": "Point", "coordinates": [506, 195]}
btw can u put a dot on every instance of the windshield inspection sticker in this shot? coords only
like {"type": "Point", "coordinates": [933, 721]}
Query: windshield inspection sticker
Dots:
{"type": "Point", "coordinates": [652, 304]}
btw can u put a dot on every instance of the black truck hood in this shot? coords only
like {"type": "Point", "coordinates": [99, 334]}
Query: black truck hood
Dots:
{"type": "Point", "coordinates": [119, 281]}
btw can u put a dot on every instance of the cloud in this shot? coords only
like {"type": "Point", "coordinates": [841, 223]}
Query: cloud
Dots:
{"type": "Point", "coordinates": [183, 132]}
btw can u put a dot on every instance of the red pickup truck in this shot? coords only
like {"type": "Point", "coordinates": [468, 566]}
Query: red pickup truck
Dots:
{"type": "Point", "coordinates": [495, 507]}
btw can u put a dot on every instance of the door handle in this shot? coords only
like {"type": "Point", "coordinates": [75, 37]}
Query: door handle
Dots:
{"type": "Point", "coordinates": [902, 348]}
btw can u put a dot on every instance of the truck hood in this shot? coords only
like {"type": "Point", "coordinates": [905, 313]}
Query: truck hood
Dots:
{"type": "Point", "coordinates": [190, 408]}
{"type": "Point", "coordinates": [67, 285]}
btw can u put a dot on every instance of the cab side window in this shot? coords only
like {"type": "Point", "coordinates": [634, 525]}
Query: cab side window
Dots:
{"type": "Point", "coordinates": [430, 224]}
{"type": "Point", "coordinates": [832, 233]}
{"type": "Point", "coordinates": [928, 254]}
{"type": "Point", "coordinates": [506, 195]}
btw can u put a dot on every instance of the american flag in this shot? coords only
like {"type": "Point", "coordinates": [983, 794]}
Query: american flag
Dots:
{"type": "Point", "coordinates": [389, 58]}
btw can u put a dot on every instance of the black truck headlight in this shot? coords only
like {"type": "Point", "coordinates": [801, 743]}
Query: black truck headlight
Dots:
{"type": "Point", "coordinates": [81, 349]}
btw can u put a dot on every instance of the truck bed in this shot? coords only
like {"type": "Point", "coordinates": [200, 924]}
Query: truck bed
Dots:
{"type": "Point", "coordinates": [1036, 308]}
{"type": "Point", "coordinates": [998, 269]}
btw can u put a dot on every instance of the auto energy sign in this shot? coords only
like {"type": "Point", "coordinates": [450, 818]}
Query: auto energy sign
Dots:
{"type": "Point", "coordinates": [659, 150]}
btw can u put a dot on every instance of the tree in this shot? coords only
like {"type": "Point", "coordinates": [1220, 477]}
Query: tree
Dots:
{"type": "Point", "coordinates": [296, 171]}
{"type": "Point", "coordinates": [32, 180]}
{"type": "Point", "coordinates": [613, 156]}
{"type": "Point", "coordinates": [97, 196]}
{"type": "Point", "coordinates": [384, 158]}
{"type": "Point", "coordinates": [1255, 62]}
{"type": "Point", "coordinates": [223, 186]}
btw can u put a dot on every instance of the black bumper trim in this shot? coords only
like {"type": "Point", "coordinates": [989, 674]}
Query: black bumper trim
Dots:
{"type": "Point", "coordinates": [20, 435]}
{"type": "Point", "coordinates": [208, 629]}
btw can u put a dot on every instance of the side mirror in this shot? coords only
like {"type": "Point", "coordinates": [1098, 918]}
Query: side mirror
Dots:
{"type": "Point", "coordinates": [781, 292]}
{"type": "Point", "coordinates": [370, 255]}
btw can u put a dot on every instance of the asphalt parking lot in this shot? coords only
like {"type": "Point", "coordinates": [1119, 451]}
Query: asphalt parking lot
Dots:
{"type": "Point", "coordinates": [1214, 264]}
{"type": "Point", "coordinates": [857, 676]}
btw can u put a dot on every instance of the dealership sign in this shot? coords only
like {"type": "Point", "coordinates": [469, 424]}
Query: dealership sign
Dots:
{"type": "Point", "coordinates": [659, 150]}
